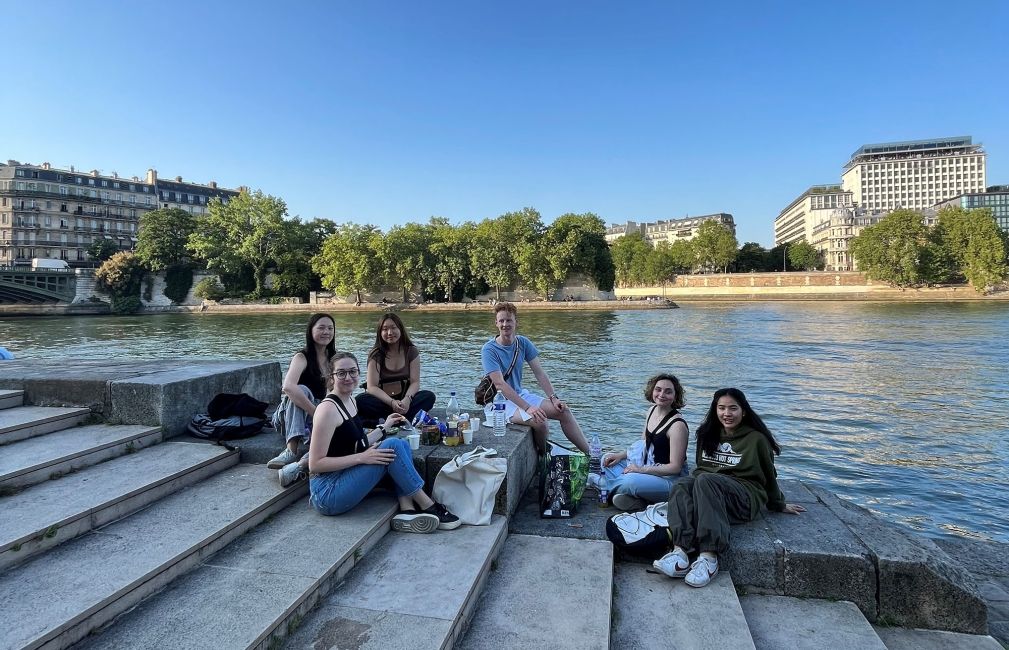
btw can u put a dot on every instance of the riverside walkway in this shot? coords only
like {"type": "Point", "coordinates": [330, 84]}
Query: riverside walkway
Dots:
{"type": "Point", "coordinates": [119, 531]}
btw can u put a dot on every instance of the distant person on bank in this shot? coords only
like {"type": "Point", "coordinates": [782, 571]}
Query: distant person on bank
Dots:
{"type": "Point", "coordinates": [523, 406]}
{"type": "Point", "coordinates": [346, 463]}
{"type": "Point", "coordinates": [733, 479]}
{"type": "Point", "coordinates": [393, 375]}
{"type": "Point", "coordinates": [304, 386]}
{"type": "Point", "coordinates": [647, 472]}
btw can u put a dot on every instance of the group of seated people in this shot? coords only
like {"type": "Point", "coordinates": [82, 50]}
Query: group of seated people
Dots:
{"type": "Point", "coordinates": [732, 480]}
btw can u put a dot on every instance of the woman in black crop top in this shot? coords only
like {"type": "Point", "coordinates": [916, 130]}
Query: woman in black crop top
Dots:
{"type": "Point", "coordinates": [304, 385]}
{"type": "Point", "coordinates": [393, 375]}
{"type": "Point", "coordinates": [346, 463]}
{"type": "Point", "coordinates": [659, 459]}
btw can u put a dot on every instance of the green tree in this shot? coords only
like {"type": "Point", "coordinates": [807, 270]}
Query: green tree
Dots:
{"type": "Point", "coordinates": [714, 246]}
{"type": "Point", "coordinates": [576, 243]}
{"type": "Point", "coordinates": [752, 257]}
{"type": "Point", "coordinates": [162, 238]}
{"type": "Point", "coordinates": [348, 261]}
{"type": "Point", "coordinates": [803, 256]}
{"type": "Point", "coordinates": [523, 233]}
{"type": "Point", "coordinates": [121, 277]}
{"type": "Point", "coordinates": [975, 244]}
{"type": "Point", "coordinates": [405, 254]}
{"type": "Point", "coordinates": [682, 254]}
{"type": "Point", "coordinates": [630, 258]}
{"type": "Point", "coordinates": [896, 250]}
{"type": "Point", "coordinates": [303, 240]}
{"type": "Point", "coordinates": [776, 258]}
{"type": "Point", "coordinates": [102, 249]}
{"type": "Point", "coordinates": [450, 271]}
{"type": "Point", "coordinates": [248, 231]}
{"type": "Point", "coordinates": [491, 256]}
{"type": "Point", "coordinates": [660, 265]}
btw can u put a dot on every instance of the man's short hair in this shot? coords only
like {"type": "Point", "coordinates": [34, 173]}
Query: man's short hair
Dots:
{"type": "Point", "coordinates": [505, 306]}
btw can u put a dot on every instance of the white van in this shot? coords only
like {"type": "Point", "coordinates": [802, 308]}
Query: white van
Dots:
{"type": "Point", "coordinates": [46, 264]}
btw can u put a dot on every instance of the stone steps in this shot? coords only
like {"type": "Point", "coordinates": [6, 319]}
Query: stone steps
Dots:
{"type": "Point", "coordinates": [651, 610]}
{"type": "Point", "coordinates": [35, 460]}
{"type": "Point", "coordinates": [21, 422]}
{"type": "Point", "coordinates": [897, 638]}
{"type": "Point", "coordinates": [53, 512]}
{"type": "Point", "coordinates": [11, 398]}
{"type": "Point", "coordinates": [546, 592]}
{"type": "Point", "coordinates": [57, 599]}
{"type": "Point", "coordinates": [250, 592]}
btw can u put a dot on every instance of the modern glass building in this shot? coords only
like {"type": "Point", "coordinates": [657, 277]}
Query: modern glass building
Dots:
{"type": "Point", "coordinates": [995, 198]}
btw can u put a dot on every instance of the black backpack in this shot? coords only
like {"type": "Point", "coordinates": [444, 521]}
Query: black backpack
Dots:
{"type": "Point", "coordinates": [227, 404]}
{"type": "Point", "coordinates": [230, 428]}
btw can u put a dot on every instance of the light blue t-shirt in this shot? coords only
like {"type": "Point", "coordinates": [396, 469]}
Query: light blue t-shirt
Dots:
{"type": "Point", "coordinates": [495, 356]}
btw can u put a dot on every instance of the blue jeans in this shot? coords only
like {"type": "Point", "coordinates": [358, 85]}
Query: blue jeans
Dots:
{"type": "Point", "coordinates": [334, 493]}
{"type": "Point", "coordinates": [647, 487]}
{"type": "Point", "coordinates": [298, 423]}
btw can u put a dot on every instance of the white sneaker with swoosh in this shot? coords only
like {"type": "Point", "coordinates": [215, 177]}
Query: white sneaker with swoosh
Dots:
{"type": "Point", "coordinates": [701, 572]}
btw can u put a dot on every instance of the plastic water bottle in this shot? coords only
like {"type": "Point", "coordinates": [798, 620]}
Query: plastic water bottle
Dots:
{"type": "Point", "coordinates": [499, 414]}
{"type": "Point", "coordinates": [604, 490]}
{"type": "Point", "coordinates": [595, 454]}
{"type": "Point", "coordinates": [452, 409]}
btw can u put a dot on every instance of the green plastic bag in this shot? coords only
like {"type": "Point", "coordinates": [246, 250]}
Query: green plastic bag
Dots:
{"type": "Point", "coordinates": [562, 477]}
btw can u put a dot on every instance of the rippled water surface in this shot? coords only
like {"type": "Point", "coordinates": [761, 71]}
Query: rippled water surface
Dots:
{"type": "Point", "coordinates": [900, 407]}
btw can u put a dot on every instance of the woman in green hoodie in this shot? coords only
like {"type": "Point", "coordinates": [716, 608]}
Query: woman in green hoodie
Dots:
{"type": "Point", "coordinates": [734, 477]}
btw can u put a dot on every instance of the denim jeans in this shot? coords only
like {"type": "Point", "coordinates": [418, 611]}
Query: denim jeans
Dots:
{"type": "Point", "coordinates": [297, 422]}
{"type": "Point", "coordinates": [647, 487]}
{"type": "Point", "coordinates": [335, 493]}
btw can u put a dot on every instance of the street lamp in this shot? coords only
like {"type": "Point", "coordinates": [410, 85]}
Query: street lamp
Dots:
{"type": "Point", "coordinates": [784, 261]}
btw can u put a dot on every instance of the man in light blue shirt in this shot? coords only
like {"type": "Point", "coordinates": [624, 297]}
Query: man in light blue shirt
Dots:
{"type": "Point", "coordinates": [523, 406]}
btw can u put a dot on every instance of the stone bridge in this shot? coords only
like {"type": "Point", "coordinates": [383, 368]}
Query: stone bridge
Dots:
{"type": "Point", "coordinates": [35, 287]}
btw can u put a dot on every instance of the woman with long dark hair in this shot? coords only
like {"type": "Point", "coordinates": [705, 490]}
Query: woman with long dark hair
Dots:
{"type": "Point", "coordinates": [304, 386]}
{"type": "Point", "coordinates": [647, 472]}
{"type": "Point", "coordinates": [346, 463]}
{"type": "Point", "coordinates": [393, 375]}
{"type": "Point", "coordinates": [733, 479]}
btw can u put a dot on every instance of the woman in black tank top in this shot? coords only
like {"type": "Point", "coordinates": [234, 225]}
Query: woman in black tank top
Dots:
{"type": "Point", "coordinates": [346, 463]}
{"type": "Point", "coordinates": [648, 471]}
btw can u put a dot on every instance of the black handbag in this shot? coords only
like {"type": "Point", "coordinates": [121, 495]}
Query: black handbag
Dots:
{"type": "Point", "coordinates": [485, 390]}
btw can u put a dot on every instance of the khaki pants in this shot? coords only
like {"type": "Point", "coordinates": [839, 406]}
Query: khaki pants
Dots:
{"type": "Point", "coordinates": [702, 507]}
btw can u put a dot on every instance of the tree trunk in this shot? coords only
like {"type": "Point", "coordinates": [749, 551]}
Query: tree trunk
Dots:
{"type": "Point", "coordinates": [497, 290]}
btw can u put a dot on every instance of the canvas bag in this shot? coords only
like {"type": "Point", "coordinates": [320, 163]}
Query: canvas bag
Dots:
{"type": "Point", "coordinates": [468, 484]}
{"type": "Point", "coordinates": [562, 477]}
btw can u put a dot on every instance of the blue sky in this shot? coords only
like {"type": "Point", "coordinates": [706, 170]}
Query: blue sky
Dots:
{"type": "Point", "coordinates": [388, 112]}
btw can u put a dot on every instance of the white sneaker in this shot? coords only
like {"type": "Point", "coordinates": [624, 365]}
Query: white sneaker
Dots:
{"type": "Point", "coordinates": [674, 564]}
{"type": "Point", "coordinates": [701, 572]}
{"type": "Point", "coordinates": [291, 473]}
{"type": "Point", "coordinates": [286, 457]}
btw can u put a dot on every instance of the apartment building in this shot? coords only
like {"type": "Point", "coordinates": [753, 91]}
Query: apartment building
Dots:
{"type": "Point", "coordinates": [915, 174]}
{"type": "Point", "coordinates": [832, 235]}
{"type": "Point", "coordinates": [814, 206]}
{"type": "Point", "coordinates": [995, 198]}
{"type": "Point", "coordinates": [58, 213]}
{"type": "Point", "coordinates": [669, 230]}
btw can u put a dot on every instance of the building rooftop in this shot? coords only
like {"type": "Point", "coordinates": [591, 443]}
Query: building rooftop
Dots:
{"type": "Point", "coordinates": [935, 145]}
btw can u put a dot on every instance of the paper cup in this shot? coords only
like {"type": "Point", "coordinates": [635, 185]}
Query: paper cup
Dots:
{"type": "Point", "coordinates": [474, 424]}
{"type": "Point", "coordinates": [414, 439]}
{"type": "Point", "coordinates": [467, 436]}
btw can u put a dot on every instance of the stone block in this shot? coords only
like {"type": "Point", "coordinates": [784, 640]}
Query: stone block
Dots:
{"type": "Point", "coordinates": [796, 492]}
{"type": "Point", "coordinates": [823, 559]}
{"type": "Point", "coordinates": [755, 558]}
{"type": "Point", "coordinates": [920, 586]}
{"type": "Point", "coordinates": [986, 558]}
{"type": "Point", "coordinates": [806, 624]}
{"type": "Point", "coordinates": [171, 397]}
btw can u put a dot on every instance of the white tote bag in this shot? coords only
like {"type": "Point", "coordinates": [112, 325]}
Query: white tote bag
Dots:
{"type": "Point", "coordinates": [468, 483]}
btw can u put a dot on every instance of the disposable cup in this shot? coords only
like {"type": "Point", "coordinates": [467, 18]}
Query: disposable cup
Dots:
{"type": "Point", "coordinates": [467, 436]}
{"type": "Point", "coordinates": [474, 424]}
{"type": "Point", "coordinates": [414, 439]}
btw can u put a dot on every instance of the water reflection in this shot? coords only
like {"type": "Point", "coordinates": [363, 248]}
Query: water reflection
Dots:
{"type": "Point", "coordinates": [879, 402]}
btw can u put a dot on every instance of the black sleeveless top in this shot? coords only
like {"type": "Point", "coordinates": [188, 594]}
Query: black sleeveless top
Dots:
{"type": "Point", "coordinates": [312, 380]}
{"type": "Point", "coordinates": [659, 440]}
{"type": "Point", "coordinates": [348, 438]}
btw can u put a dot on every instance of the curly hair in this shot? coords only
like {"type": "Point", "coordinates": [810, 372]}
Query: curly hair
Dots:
{"type": "Point", "coordinates": [678, 395]}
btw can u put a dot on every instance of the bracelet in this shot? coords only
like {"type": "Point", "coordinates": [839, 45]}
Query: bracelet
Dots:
{"type": "Point", "coordinates": [554, 396]}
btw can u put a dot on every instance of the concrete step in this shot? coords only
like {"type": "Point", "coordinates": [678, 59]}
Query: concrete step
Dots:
{"type": "Point", "coordinates": [39, 459]}
{"type": "Point", "coordinates": [651, 610]}
{"type": "Point", "coordinates": [807, 624]}
{"type": "Point", "coordinates": [23, 422]}
{"type": "Point", "coordinates": [413, 591]}
{"type": "Point", "coordinates": [11, 398]}
{"type": "Point", "coordinates": [546, 592]}
{"type": "Point", "coordinates": [53, 512]}
{"type": "Point", "coordinates": [899, 638]}
{"type": "Point", "coordinates": [239, 597]}
{"type": "Point", "coordinates": [55, 600]}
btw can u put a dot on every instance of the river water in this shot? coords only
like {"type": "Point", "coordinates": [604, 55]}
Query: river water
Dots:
{"type": "Point", "coordinates": [899, 407]}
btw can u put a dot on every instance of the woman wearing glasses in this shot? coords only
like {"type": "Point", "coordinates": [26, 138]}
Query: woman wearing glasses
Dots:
{"type": "Point", "coordinates": [393, 375]}
{"type": "Point", "coordinates": [346, 463]}
{"type": "Point", "coordinates": [304, 385]}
